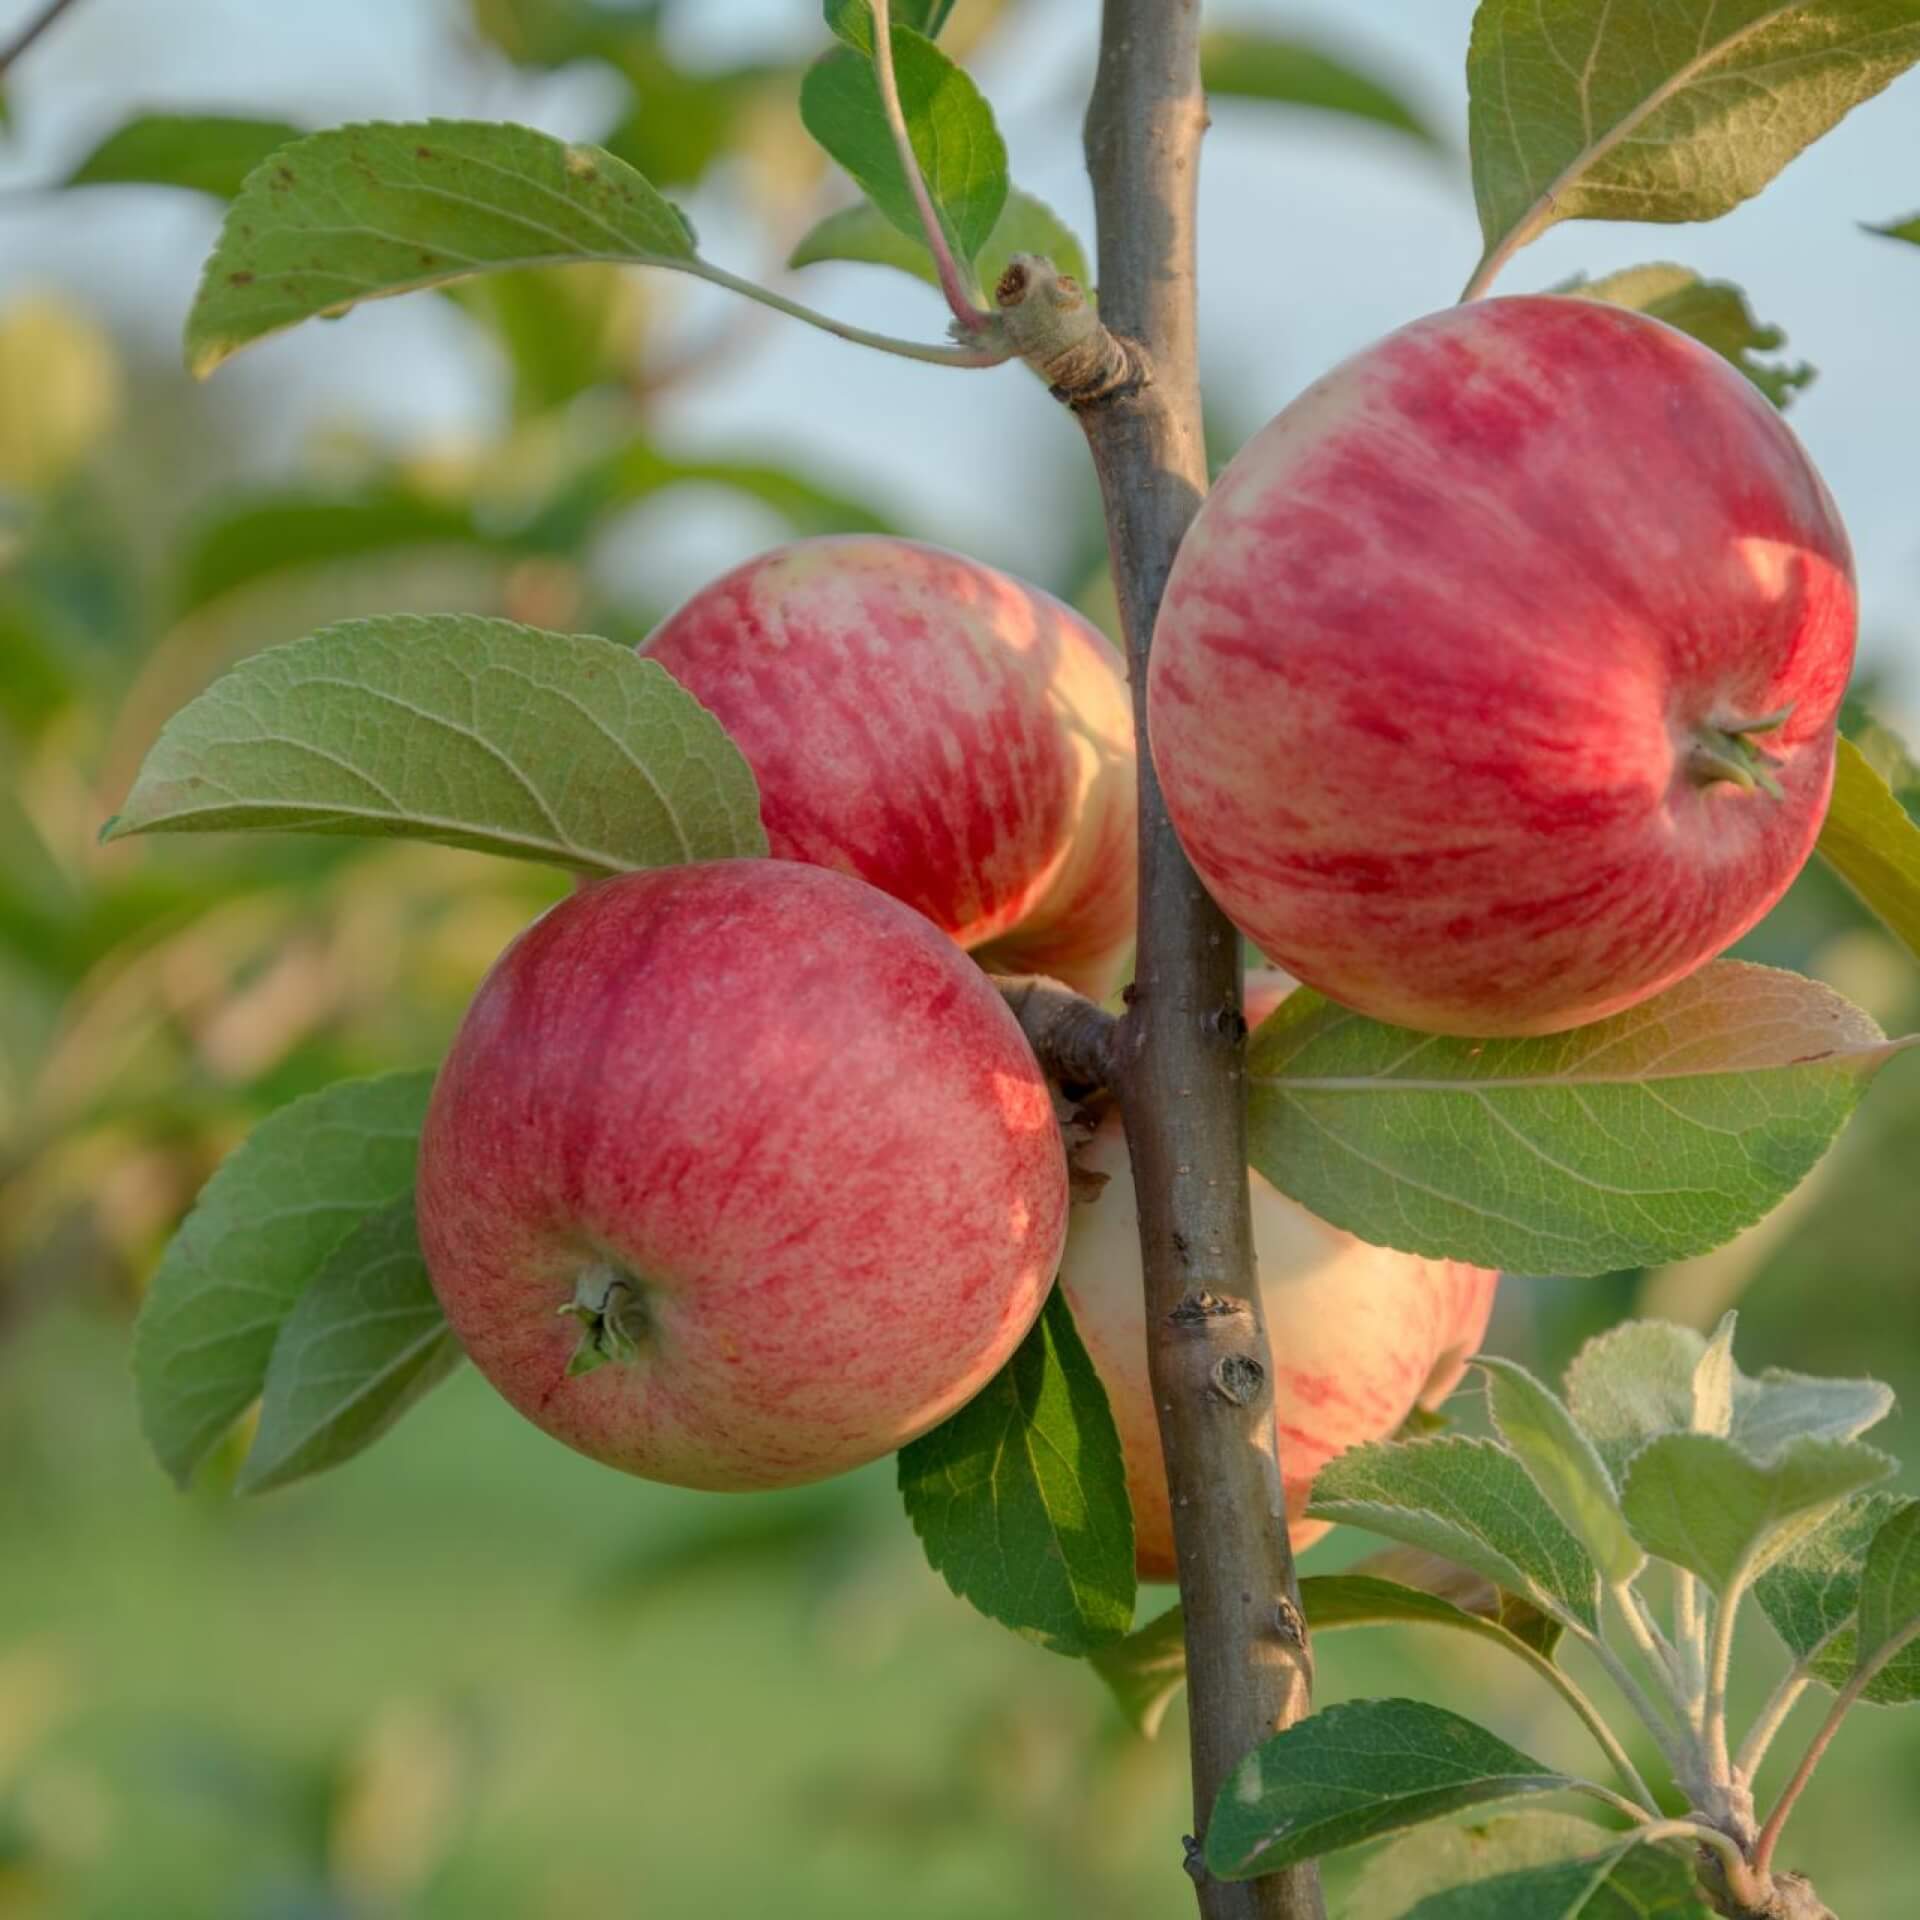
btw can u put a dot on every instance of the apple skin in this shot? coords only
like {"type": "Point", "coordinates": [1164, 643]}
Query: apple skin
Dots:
{"type": "Point", "coordinates": [1428, 686]}
{"type": "Point", "coordinates": [802, 1126]}
{"type": "Point", "coordinates": [1361, 1335]}
{"type": "Point", "coordinates": [952, 736]}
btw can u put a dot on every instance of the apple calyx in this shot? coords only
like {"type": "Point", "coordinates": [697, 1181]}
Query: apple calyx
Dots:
{"type": "Point", "coordinates": [1732, 753]}
{"type": "Point", "coordinates": [612, 1317]}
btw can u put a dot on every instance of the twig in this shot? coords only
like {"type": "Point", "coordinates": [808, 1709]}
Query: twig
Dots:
{"type": "Point", "coordinates": [1070, 1035]}
{"type": "Point", "coordinates": [1131, 375]}
{"type": "Point", "coordinates": [954, 283]}
{"type": "Point", "coordinates": [31, 32]}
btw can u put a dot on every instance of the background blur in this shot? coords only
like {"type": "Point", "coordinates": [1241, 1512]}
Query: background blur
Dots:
{"type": "Point", "coordinates": [472, 1675]}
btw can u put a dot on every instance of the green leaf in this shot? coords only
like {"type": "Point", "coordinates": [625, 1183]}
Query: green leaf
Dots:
{"type": "Point", "coordinates": [1470, 1501]}
{"type": "Point", "coordinates": [263, 1227]}
{"type": "Point", "coordinates": [962, 157]}
{"type": "Point", "coordinates": [1627, 1882]}
{"type": "Point", "coordinates": [1635, 1382]}
{"type": "Point", "coordinates": [1649, 1137]}
{"type": "Point", "coordinates": [1715, 312]}
{"type": "Point", "coordinates": [208, 153]}
{"type": "Point", "coordinates": [1699, 1501]}
{"type": "Point", "coordinates": [852, 20]}
{"type": "Point", "coordinates": [864, 234]}
{"type": "Point", "coordinates": [1812, 1593]}
{"type": "Point", "coordinates": [365, 1340]}
{"type": "Point", "coordinates": [1873, 843]}
{"type": "Point", "coordinates": [1638, 110]}
{"type": "Point", "coordinates": [1562, 1463]}
{"type": "Point", "coordinates": [1020, 1499]}
{"type": "Point", "coordinates": [1444, 1857]}
{"type": "Point", "coordinates": [1890, 1587]}
{"type": "Point", "coordinates": [1147, 1669]}
{"type": "Point", "coordinates": [1900, 229]}
{"type": "Point", "coordinates": [475, 733]}
{"type": "Point", "coordinates": [1356, 1772]}
{"type": "Point", "coordinates": [365, 212]}
{"type": "Point", "coordinates": [1252, 65]}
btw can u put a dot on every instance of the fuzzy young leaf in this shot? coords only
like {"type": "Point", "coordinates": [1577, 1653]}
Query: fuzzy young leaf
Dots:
{"type": "Point", "coordinates": [475, 733]}
{"type": "Point", "coordinates": [209, 153]}
{"type": "Point", "coordinates": [962, 157]}
{"type": "Point", "coordinates": [364, 212]}
{"type": "Point", "coordinates": [1637, 110]}
{"type": "Point", "coordinates": [1356, 1772]}
{"type": "Point", "coordinates": [1441, 1857]}
{"type": "Point", "coordinates": [1020, 1499]}
{"type": "Point", "coordinates": [263, 1228]}
{"type": "Point", "coordinates": [1649, 1137]}
{"type": "Point", "coordinates": [1873, 843]}
{"type": "Point", "coordinates": [1563, 1464]}
{"type": "Point", "coordinates": [1627, 1882]}
{"type": "Point", "coordinates": [365, 1340]}
{"type": "Point", "coordinates": [1701, 1502]}
{"type": "Point", "coordinates": [866, 235]}
{"type": "Point", "coordinates": [1889, 1587]}
{"type": "Point", "coordinates": [1715, 312]}
{"type": "Point", "coordinates": [1470, 1501]}
{"type": "Point", "coordinates": [1812, 1592]}
{"type": "Point", "coordinates": [1247, 64]}
{"type": "Point", "coordinates": [1635, 1382]}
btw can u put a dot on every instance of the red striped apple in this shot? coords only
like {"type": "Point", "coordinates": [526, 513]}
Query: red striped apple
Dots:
{"type": "Point", "coordinates": [1496, 681]}
{"type": "Point", "coordinates": [952, 736]}
{"type": "Point", "coordinates": [1361, 1336]}
{"type": "Point", "coordinates": [739, 1175]}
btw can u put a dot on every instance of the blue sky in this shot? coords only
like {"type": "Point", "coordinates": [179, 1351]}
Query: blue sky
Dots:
{"type": "Point", "coordinates": [1318, 236]}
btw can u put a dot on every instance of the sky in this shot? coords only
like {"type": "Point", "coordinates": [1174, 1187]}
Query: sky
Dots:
{"type": "Point", "coordinates": [1317, 236]}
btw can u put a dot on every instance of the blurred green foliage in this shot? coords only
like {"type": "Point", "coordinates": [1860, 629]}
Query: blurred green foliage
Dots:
{"type": "Point", "coordinates": [473, 1675]}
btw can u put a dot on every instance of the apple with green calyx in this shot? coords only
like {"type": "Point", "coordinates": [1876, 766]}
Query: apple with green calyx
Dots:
{"type": "Point", "coordinates": [952, 736]}
{"type": "Point", "coordinates": [1495, 685]}
{"type": "Point", "coordinates": [739, 1175]}
{"type": "Point", "coordinates": [1361, 1336]}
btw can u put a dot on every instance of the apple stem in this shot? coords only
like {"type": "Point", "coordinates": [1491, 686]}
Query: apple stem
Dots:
{"type": "Point", "coordinates": [612, 1316]}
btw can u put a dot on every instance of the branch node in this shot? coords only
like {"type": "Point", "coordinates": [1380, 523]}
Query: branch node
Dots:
{"type": "Point", "coordinates": [1237, 1378]}
{"type": "Point", "coordinates": [1289, 1622]}
{"type": "Point", "coordinates": [1197, 1312]}
{"type": "Point", "coordinates": [1193, 1860]}
{"type": "Point", "coordinates": [1052, 325]}
{"type": "Point", "coordinates": [1071, 1036]}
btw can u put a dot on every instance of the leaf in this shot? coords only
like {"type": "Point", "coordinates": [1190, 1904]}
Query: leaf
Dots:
{"type": "Point", "coordinates": [365, 1340]}
{"type": "Point", "coordinates": [1627, 1882]}
{"type": "Point", "coordinates": [208, 153]}
{"type": "Point", "coordinates": [1635, 1382]}
{"type": "Point", "coordinates": [962, 157]}
{"type": "Point", "coordinates": [1251, 65]}
{"type": "Point", "coordinates": [1900, 229]}
{"type": "Point", "coordinates": [1889, 1588]}
{"type": "Point", "coordinates": [262, 1228]}
{"type": "Point", "coordinates": [1812, 1591]}
{"type": "Point", "coordinates": [1873, 843]}
{"type": "Point", "coordinates": [864, 234]}
{"type": "Point", "coordinates": [1715, 312]}
{"type": "Point", "coordinates": [1445, 1857]}
{"type": "Point", "coordinates": [1147, 1669]}
{"type": "Point", "coordinates": [1700, 1502]}
{"type": "Point", "coordinates": [852, 20]}
{"type": "Point", "coordinates": [365, 212]}
{"type": "Point", "coordinates": [1470, 1501]}
{"type": "Point", "coordinates": [1563, 1464]}
{"type": "Point", "coordinates": [1020, 1499]}
{"type": "Point", "coordinates": [475, 733]}
{"type": "Point", "coordinates": [1646, 1138]}
{"type": "Point", "coordinates": [1638, 110]}
{"type": "Point", "coordinates": [1356, 1772]}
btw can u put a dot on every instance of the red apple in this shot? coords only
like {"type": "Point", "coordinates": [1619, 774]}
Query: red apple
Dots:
{"type": "Point", "coordinates": [955, 738]}
{"type": "Point", "coordinates": [1496, 681]}
{"type": "Point", "coordinates": [1361, 1336]}
{"type": "Point", "coordinates": [761, 1140]}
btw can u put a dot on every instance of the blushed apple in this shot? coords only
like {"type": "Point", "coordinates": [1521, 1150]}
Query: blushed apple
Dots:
{"type": "Point", "coordinates": [954, 737]}
{"type": "Point", "coordinates": [1361, 1336]}
{"type": "Point", "coordinates": [739, 1175]}
{"type": "Point", "coordinates": [1495, 684]}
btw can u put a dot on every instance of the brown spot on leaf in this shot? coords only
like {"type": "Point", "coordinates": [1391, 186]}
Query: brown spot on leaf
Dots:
{"type": "Point", "coordinates": [241, 279]}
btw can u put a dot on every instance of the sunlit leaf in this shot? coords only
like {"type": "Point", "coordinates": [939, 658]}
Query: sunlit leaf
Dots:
{"type": "Point", "coordinates": [1873, 843]}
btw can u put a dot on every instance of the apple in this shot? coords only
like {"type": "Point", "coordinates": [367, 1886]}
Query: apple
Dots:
{"type": "Point", "coordinates": [739, 1175]}
{"type": "Point", "coordinates": [952, 736]}
{"type": "Point", "coordinates": [1361, 1336]}
{"type": "Point", "coordinates": [1495, 685]}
